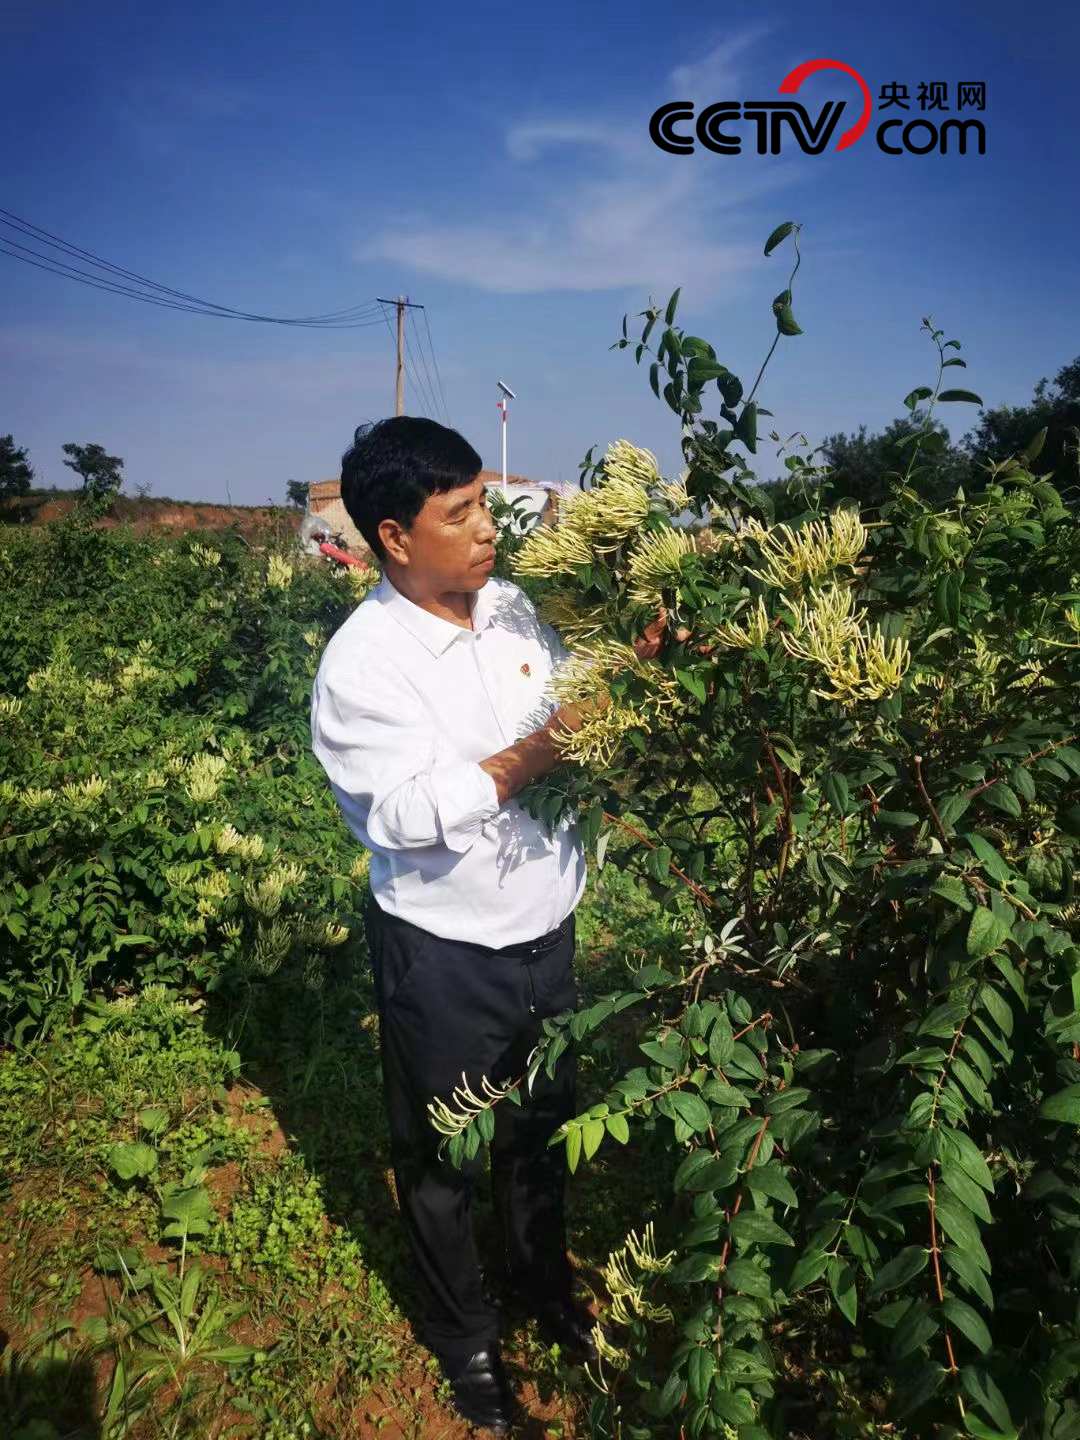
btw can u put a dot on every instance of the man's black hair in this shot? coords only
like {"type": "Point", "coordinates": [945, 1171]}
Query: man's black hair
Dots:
{"type": "Point", "coordinates": [392, 467]}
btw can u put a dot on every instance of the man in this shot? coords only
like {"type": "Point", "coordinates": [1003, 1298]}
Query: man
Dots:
{"type": "Point", "coordinates": [429, 714]}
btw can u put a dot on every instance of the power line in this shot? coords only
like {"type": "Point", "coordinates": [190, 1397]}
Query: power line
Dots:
{"type": "Point", "coordinates": [435, 362]}
{"type": "Point", "coordinates": [421, 377]}
{"type": "Point", "coordinates": [102, 277]}
{"type": "Point", "coordinates": [429, 381]}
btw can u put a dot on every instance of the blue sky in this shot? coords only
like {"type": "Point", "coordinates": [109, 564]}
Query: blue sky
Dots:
{"type": "Point", "coordinates": [493, 163]}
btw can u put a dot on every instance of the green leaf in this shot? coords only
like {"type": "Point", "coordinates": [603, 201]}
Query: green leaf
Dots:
{"type": "Point", "coordinates": [918, 1326]}
{"type": "Point", "coordinates": [970, 1274]}
{"type": "Point", "coordinates": [770, 1180]}
{"type": "Point", "coordinates": [750, 1279]}
{"type": "Point", "coordinates": [780, 233]}
{"type": "Point", "coordinates": [986, 932]}
{"type": "Point", "coordinates": [787, 1099]}
{"type": "Point", "coordinates": [997, 1007]}
{"type": "Point", "coordinates": [976, 1427]}
{"type": "Point", "coordinates": [1003, 797]}
{"type": "Point", "coordinates": [1033, 449]}
{"type": "Point", "coordinates": [689, 1168]}
{"type": "Point", "coordinates": [842, 1285]}
{"type": "Point", "coordinates": [153, 1119]}
{"type": "Point", "coordinates": [131, 1158]}
{"type": "Point", "coordinates": [692, 1109]}
{"type": "Point", "coordinates": [809, 1268]}
{"type": "Point", "coordinates": [746, 427]}
{"type": "Point", "coordinates": [918, 1388]}
{"type": "Point", "coordinates": [717, 1093]}
{"type": "Point", "coordinates": [958, 1224]}
{"type": "Point", "coordinates": [786, 323]}
{"type": "Point", "coordinates": [982, 1389]}
{"type": "Point", "coordinates": [756, 1226]}
{"type": "Point", "coordinates": [721, 1042]}
{"type": "Point", "coordinates": [966, 1191]}
{"type": "Point", "coordinates": [618, 1128]}
{"type": "Point", "coordinates": [1063, 1107]}
{"type": "Point", "coordinates": [921, 392]}
{"type": "Point", "coordinates": [994, 865]}
{"type": "Point", "coordinates": [696, 1267]}
{"type": "Point", "coordinates": [190, 1209]}
{"type": "Point", "coordinates": [693, 683]}
{"type": "Point", "coordinates": [968, 395]}
{"type": "Point", "coordinates": [968, 1321]}
{"type": "Point", "coordinates": [700, 1369]}
{"type": "Point", "coordinates": [836, 792]}
{"type": "Point", "coordinates": [573, 1147]}
{"type": "Point", "coordinates": [672, 306]}
{"type": "Point", "coordinates": [592, 1133]}
{"type": "Point", "coordinates": [900, 1269]}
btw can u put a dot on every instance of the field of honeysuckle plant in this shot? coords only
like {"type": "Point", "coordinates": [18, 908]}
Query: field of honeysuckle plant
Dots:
{"type": "Point", "coordinates": [825, 1175]}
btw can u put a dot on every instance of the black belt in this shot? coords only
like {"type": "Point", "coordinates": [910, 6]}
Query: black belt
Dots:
{"type": "Point", "coordinates": [526, 949]}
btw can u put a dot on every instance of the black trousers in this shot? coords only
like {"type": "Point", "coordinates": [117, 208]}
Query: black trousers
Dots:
{"type": "Point", "coordinates": [445, 1007]}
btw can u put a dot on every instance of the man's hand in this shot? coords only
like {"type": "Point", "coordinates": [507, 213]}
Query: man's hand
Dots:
{"type": "Point", "coordinates": [651, 641]}
{"type": "Point", "coordinates": [572, 717]}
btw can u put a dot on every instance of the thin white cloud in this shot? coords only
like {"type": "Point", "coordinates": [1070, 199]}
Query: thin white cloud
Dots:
{"type": "Point", "coordinates": [626, 214]}
{"type": "Point", "coordinates": [295, 376]}
{"type": "Point", "coordinates": [530, 141]}
{"type": "Point", "coordinates": [717, 76]}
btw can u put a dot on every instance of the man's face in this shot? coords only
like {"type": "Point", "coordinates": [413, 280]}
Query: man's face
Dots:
{"type": "Point", "coordinates": [450, 546]}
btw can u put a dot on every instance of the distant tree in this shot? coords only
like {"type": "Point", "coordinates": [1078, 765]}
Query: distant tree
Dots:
{"type": "Point", "coordinates": [16, 472]}
{"type": "Point", "coordinates": [296, 493]}
{"type": "Point", "coordinates": [865, 466]}
{"type": "Point", "coordinates": [100, 473]}
{"type": "Point", "coordinates": [1009, 429]}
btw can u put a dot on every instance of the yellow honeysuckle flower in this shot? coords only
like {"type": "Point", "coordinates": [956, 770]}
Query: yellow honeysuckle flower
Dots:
{"type": "Point", "coordinates": [656, 563]}
{"type": "Point", "coordinates": [35, 798]}
{"type": "Point", "coordinates": [750, 634]}
{"type": "Point", "coordinates": [791, 556]}
{"type": "Point", "coordinates": [279, 573]}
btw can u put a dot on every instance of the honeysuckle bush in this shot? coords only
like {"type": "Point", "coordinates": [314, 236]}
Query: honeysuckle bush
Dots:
{"type": "Point", "coordinates": [161, 818]}
{"type": "Point", "coordinates": [852, 770]}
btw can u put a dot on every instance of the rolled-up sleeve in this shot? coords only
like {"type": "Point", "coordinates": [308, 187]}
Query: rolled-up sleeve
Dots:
{"type": "Point", "coordinates": [380, 748]}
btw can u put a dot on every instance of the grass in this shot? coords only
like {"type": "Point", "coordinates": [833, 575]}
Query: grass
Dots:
{"type": "Point", "coordinates": [198, 1235]}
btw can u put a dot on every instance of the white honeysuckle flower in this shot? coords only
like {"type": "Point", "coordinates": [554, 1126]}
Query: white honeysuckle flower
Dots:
{"type": "Point", "coordinates": [334, 934]}
{"type": "Point", "coordinates": [227, 840]}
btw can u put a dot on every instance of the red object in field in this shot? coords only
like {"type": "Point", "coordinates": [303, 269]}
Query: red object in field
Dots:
{"type": "Point", "coordinates": [336, 553]}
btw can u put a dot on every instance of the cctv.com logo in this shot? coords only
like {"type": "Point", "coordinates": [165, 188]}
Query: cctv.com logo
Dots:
{"type": "Point", "coordinates": [772, 123]}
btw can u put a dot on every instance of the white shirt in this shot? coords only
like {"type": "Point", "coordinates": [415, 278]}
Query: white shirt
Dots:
{"type": "Point", "coordinates": [403, 707]}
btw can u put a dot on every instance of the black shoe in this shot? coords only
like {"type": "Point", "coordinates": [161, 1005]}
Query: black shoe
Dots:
{"type": "Point", "coordinates": [565, 1323]}
{"type": "Point", "coordinates": [482, 1392]}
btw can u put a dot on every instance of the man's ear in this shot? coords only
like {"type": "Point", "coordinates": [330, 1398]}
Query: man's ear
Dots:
{"type": "Point", "coordinates": [394, 540]}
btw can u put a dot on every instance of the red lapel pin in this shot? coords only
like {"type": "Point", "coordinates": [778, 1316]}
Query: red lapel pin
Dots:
{"type": "Point", "coordinates": [525, 669]}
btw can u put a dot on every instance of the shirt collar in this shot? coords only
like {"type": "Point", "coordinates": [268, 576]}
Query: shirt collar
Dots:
{"type": "Point", "coordinates": [431, 630]}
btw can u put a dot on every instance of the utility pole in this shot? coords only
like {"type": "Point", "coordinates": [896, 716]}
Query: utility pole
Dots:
{"type": "Point", "coordinates": [402, 303]}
